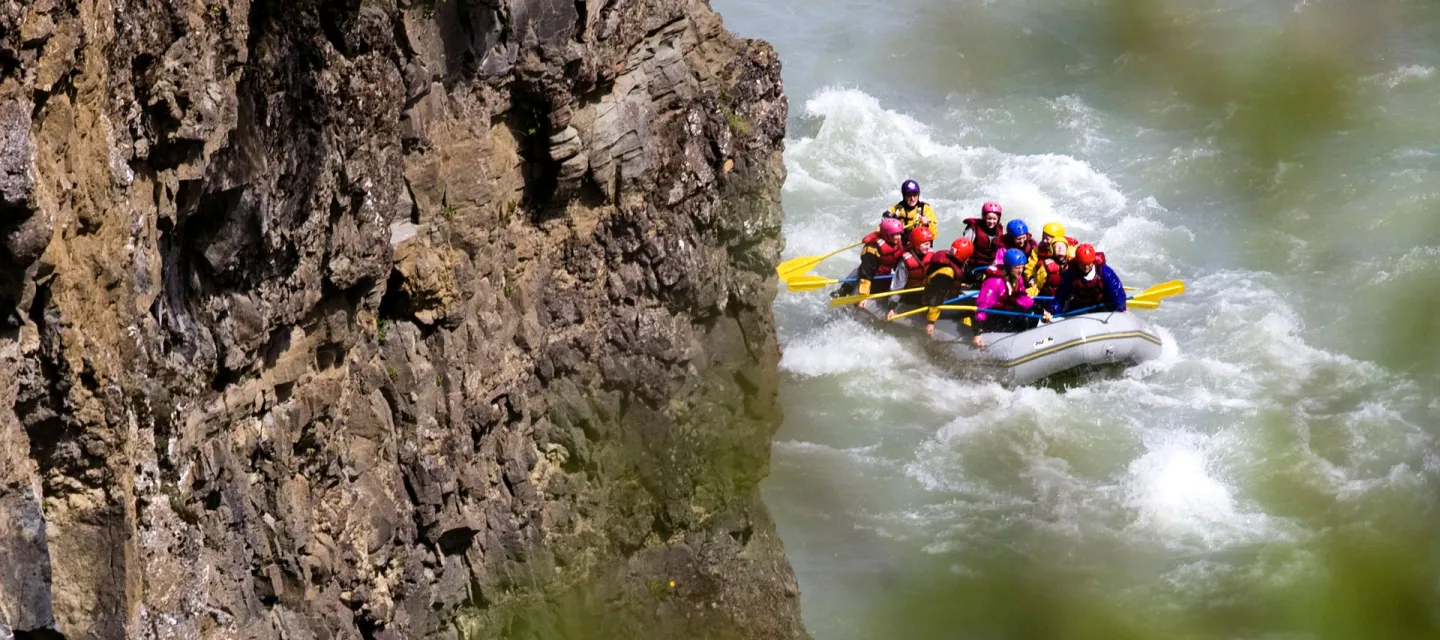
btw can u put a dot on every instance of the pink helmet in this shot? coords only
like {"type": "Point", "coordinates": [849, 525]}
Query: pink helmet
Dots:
{"type": "Point", "coordinates": [990, 207]}
{"type": "Point", "coordinates": [891, 227]}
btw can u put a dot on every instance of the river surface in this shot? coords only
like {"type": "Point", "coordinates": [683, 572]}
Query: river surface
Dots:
{"type": "Point", "coordinates": [1276, 474]}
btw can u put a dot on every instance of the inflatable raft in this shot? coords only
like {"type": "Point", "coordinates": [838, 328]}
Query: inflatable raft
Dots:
{"type": "Point", "coordinates": [1087, 340]}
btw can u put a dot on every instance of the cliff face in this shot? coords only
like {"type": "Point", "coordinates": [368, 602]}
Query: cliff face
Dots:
{"type": "Point", "coordinates": [329, 318]}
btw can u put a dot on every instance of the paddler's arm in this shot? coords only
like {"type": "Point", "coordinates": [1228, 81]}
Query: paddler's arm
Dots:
{"type": "Point", "coordinates": [1114, 290]}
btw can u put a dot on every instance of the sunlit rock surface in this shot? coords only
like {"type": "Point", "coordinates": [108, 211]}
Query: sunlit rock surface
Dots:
{"type": "Point", "coordinates": [443, 318]}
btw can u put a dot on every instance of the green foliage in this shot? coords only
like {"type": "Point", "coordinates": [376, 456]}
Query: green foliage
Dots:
{"type": "Point", "coordinates": [392, 372]}
{"type": "Point", "coordinates": [737, 123]}
{"type": "Point", "coordinates": [659, 588]}
{"type": "Point", "coordinates": [382, 329]}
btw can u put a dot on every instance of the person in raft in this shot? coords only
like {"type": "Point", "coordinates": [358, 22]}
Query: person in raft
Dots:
{"type": "Point", "coordinates": [946, 273]}
{"type": "Point", "coordinates": [1087, 282]}
{"type": "Point", "coordinates": [984, 233]}
{"type": "Point", "coordinates": [912, 272]}
{"type": "Point", "coordinates": [1045, 279]}
{"type": "Point", "coordinates": [1042, 256]}
{"type": "Point", "coordinates": [883, 250]}
{"type": "Point", "coordinates": [1017, 236]}
{"type": "Point", "coordinates": [911, 211]}
{"type": "Point", "coordinates": [1003, 290]}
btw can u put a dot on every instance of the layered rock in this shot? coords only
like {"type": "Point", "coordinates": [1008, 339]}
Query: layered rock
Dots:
{"type": "Point", "coordinates": [439, 318]}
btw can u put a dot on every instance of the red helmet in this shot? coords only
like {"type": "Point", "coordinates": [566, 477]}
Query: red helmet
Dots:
{"type": "Point", "coordinates": [1085, 254]}
{"type": "Point", "coordinates": [963, 248]}
{"type": "Point", "coordinates": [990, 207]}
{"type": "Point", "coordinates": [920, 235]}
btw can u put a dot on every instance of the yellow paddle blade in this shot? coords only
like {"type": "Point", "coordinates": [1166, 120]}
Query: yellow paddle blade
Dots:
{"type": "Point", "coordinates": [810, 283]}
{"type": "Point", "coordinates": [1162, 290]}
{"type": "Point", "coordinates": [1139, 303]}
{"type": "Point", "coordinates": [849, 300]}
{"type": "Point", "coordinates": [799, 266]}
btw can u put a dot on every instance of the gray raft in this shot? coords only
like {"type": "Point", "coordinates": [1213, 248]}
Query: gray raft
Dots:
{"type": "Point", "coordinates": [1087, 340]}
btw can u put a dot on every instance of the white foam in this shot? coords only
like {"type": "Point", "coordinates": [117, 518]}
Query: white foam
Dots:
{"type": "Point", "coordinates": [1179, 496]}
{"type": "Point", "coordinates": [1415, 260]}
{"type": "Point", "coordinates": [846, 346]}
{"type": "Point", "coordinates": [1405, 74]}
{"type": "Point", "coordinates": [863, 150]}
{"type": "Point", "coordinates": [860, 455]}
{"type": "Point", "coordinates": [1081, 118]}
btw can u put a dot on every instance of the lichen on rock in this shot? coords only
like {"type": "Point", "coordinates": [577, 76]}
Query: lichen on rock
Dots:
{"type": "Point", "coordinates": [415, 318]}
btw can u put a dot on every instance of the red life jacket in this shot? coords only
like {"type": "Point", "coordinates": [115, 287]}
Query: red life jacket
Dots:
{"type": "Point", "coordinates": [1086, 293]}
{"type": "Point", "coordinates": [940, 259]}
{"type": "Point", "coordinates": [915, 272]}
{"type": "Point", "coordinates": [985, 244]}
{"type": "Point", "coordinates": [1046, 248]}
{"type": "Point", "coordinates": [965, 273]}
{"type": "Point", "coordinates": [1052, 277]}
{"type": "Point", "coordinates": [889, 254]}
{"type": "Point", "coordinates": [1007, 241]}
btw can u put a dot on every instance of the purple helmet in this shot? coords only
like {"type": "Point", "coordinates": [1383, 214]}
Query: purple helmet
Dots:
{"type": "Point", "coordinates": [908, 187]}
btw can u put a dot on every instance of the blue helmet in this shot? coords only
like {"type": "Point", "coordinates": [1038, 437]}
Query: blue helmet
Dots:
{"type": "Point", "coordinates": [1017, 228]}
{"type": "Point", "coordinates": [908, 187]}
{"type": "Point", "coordinates": [1014, 257]}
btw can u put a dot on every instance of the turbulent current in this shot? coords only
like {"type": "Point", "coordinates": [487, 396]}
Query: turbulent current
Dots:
{"type": "Point", "coordinates": [1275, 473]}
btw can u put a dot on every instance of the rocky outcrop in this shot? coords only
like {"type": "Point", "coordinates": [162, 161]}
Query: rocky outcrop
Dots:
{"type": "Point", "coordinates": [349, 318]}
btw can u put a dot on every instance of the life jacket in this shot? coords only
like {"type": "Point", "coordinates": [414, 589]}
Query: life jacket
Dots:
{"type": "Point", "coordinates": [1052, 277]}
{"type": "Point", "coordinates": [1087, 293]}
{"type": "Point", "coordinates": [1007, 241]}
{"type": "Point", "coordinates": [1013, 290]}
{"type": "Point", "coordinates": [985, 244]}
{"type": "Point", "coordinates": [916, 273]}
{"type": "Point", "coordinates": [960, 271]}
{"type": "Point", "coordinates": [889, 254]}
{"type": "Point", "coordinates": [911, 215]}
{"type": "Point", "coordinates": [1044, 249]}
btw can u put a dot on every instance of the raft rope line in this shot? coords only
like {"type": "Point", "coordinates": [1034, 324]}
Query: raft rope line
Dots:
{"type": "Point", "coordinates": [1010, 364]}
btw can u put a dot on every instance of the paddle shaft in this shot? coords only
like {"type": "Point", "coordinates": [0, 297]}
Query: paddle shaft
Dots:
{"type": "Point", "coordinates": [796, 266]}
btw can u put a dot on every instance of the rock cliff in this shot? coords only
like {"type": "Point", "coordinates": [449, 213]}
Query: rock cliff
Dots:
{"type": "Point", "coordinates": [366, 318]}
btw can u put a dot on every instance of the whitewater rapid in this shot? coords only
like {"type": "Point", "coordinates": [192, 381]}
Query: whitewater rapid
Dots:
{"type": "Point", "coordinates": [1186, 466]}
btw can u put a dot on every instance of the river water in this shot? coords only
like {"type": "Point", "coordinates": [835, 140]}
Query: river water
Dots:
{"type": "Point", "coordinates": [1276, 474]}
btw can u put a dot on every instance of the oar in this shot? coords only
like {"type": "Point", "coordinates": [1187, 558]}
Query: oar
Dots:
{"type": "Point", "coordinates": [942, 305]}
{"type": "Point", "coordinates": [1162, 290]}
{"type": "Point", "coordinates": [811, 283]}
{"type": "Point", "coordinates": [1147, 299]}
{"type": "Point", "coordinates": [799, 266]}
{"type": "Point", "coordinates": [849, 300]}
{"type": "Point", "coordinates": [954, 307]}
{"type": "Point", "coordinates": [995, 311]}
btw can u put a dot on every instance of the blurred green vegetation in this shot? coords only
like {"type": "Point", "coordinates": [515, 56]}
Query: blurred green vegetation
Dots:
{"type": "Point", "coordinates": [1376, 585]}
{"type": "Point", "coordinates": [1299, 124]}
